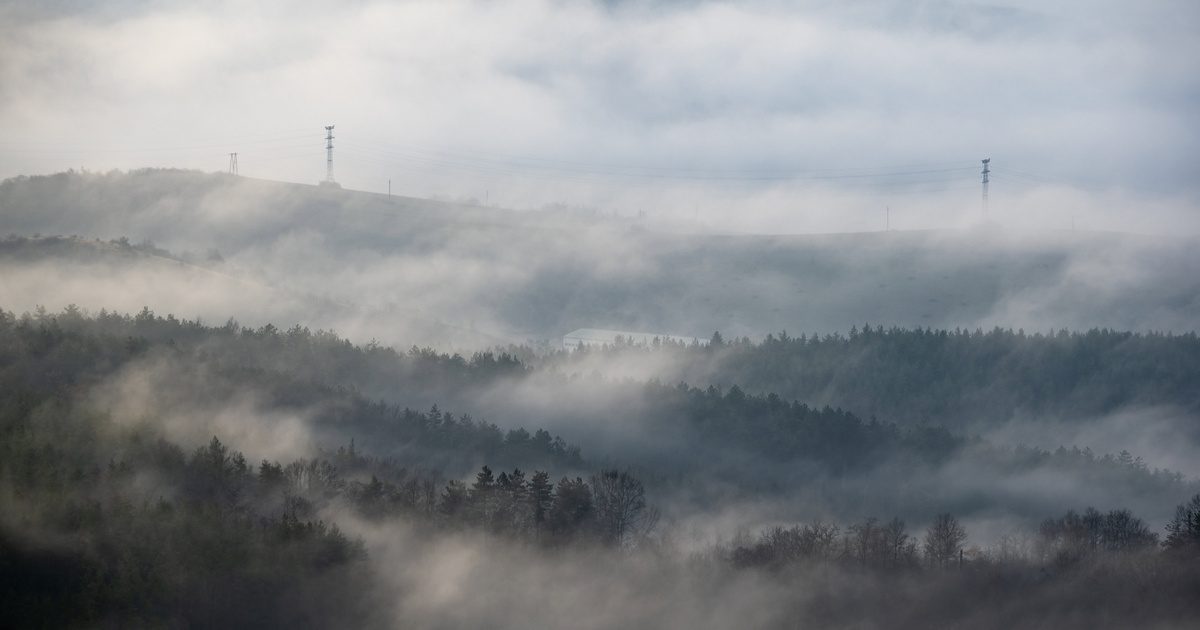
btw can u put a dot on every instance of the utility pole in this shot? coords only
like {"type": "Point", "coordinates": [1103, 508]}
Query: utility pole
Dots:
{"type": "Point", "coordinates": [986, 170]}
{"type": "Point", "coordinates": [329, 154]}
{"type": "Point", "coordinates": [887, 226]}
{"type": "Point", "coordinates": [233, 164]}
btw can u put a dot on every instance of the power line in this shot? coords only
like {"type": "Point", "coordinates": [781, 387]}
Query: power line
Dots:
{"type": "Point", "coordinates": [904, 185]}
{"type": "Point", "coordinates": [1032, 176]}
{"type": "Point", "coordinates": [883, 176]}
{"type": "Point", "coordinates": [108, 148]}
{"type": "Point", "coordinates": [507, 164]}
{"type": "Point", "coordinates": [651, 173]}
{"type": "Point", "coordinates": [894, 179]}
{"type": "Point", "coordinates": [488, 162]}
{"type": "Point", "coordinates": [1024, 177]}
{"type": "Point", "coordinates": [664, 172]}
{"type": "Point", "coordinates": [496, 158]}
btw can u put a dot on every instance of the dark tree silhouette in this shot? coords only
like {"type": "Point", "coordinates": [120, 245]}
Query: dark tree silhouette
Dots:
{"type": "Point", "coordinates": [943, 541]}
{"type": "Point", "coordinates": [1183, 531]}
{"type": "Point", "coordinates": [572, 511]}
{"type": "Point", "coordinates": [620, 503]}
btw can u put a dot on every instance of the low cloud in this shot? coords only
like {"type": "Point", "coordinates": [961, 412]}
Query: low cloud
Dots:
{"type": "Point", "coordinates": [188, 406]}
{"type": "Point", "coordinates": [804, 117]}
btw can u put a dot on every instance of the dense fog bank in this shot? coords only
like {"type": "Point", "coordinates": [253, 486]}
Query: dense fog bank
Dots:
{"type": "Point", "coordinates": [119, 508]}
{"type": "Point", "coordinates": [411, 271]}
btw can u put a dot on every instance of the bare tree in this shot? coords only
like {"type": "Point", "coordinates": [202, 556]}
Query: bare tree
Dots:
{"type": "Point", "coordinates": [865, 542]}
{"type": "Point", "coordinates": [620, 503]}
{"type": "Point", "coordinates": [943, 540]}
{"type": "Point", "coordinates": [899, 548]}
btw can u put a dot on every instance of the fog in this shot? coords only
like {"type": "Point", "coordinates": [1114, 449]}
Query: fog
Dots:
{"type": "Point", "coordinates": [437, 584]}
{"type": "Point", "coordinates": [415, 272]}
{"type": "Point", "coordinates": [714, 491]}
{"type": "Point", "coordinates": [805, 117]}
{"type": "Point", "coordinates": [1160, 434]}
{"type": "Point", "coordinates": [189, 407]}
{"type": "Point", "coordinates": [234, 393]}
{"type": "Point", "coordinates": [409, 272]}
{"type": "Point", "coordinates": [707, 486]}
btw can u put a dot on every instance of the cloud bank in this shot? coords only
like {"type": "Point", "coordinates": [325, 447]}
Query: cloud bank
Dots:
{"type": "Point", "coordinates": [811, 116]}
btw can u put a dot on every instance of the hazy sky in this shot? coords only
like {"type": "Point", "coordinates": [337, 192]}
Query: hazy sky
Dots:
{"type": "Point", "coordinates": [800, 115]}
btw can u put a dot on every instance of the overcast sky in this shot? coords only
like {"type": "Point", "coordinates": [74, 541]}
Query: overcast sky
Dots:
{"type": "Point", "coordinates": [751, 116]}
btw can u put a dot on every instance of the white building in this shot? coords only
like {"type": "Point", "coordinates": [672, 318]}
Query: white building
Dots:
{"type": "Point", "coordinates": [599, 337]}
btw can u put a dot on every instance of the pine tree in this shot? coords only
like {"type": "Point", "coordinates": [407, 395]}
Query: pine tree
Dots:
{"type": "Point", "coordinates": [541, 495]}
{"type": "Point", "coordinates": [1183, 532]}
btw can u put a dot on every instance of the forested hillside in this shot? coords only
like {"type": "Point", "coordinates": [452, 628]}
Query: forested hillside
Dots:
{"type": "Point", "coordinates": [175, 364]}
{"type": "Point", "coordinates": [637, 315]}
{"type": "Point", "coordinates": [186, 441]}
{"type": "Point", "coordinates": [125, 512]}
{"type": "Point", "coordinates": [307, 391]}
{"type": "Point", "coordinates": [955, 378]}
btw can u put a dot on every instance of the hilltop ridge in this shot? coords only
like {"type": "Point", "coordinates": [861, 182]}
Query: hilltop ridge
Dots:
{"type": "Point", "coordinates": [405, 270]}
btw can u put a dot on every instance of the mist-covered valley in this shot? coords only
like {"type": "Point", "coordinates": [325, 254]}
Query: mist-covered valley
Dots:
{"type": "Point", "coordinates": [707, 314]}
{"type": "Point", "coordinates": [408, 271]}
{"type": "Point", "coordinates": [171, 342]}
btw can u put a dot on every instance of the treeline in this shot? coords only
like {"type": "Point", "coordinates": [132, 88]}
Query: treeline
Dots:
{"type": "Point", "coordinates": [950, 378]}
{"type": "Point", "coordinates": [907, 376]}
{"type": "Point", "coordinates": [319, 356]}
{"type": "Point", "coordinates": [609, 508]}
{"type": "Point", "coordinates": [1058, 542]}
{"type": "Point", "coordinates": [299, 369]}
{"type": "Point", "coordinates": [22, 248]}
{"type": "Point", "coordinates": [108, 526]}
{"type": "Point", "coordinates": [103, 527]}
{"type": "Point", "coordinates": [838, 440]}
{"type": "Point", "coordinates": [106, 523]}
{"type": "Point", "coordinates": [1082, 569]}
{"type": "Point", "coordinates": [217, 541]}
{"type": "Point", "coordinates": [1085, 569]}
{"type": "Point", "coordinates": [45, 356]}
{"type": "Point", "coordinates": [840, 443]}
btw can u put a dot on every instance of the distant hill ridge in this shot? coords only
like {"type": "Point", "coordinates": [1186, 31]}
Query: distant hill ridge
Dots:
{"type": "Point", "coordinates": [486, 275]}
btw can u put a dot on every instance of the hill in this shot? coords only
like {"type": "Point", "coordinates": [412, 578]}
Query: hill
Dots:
{"type": "Point", "coordinates": [405, 270]}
